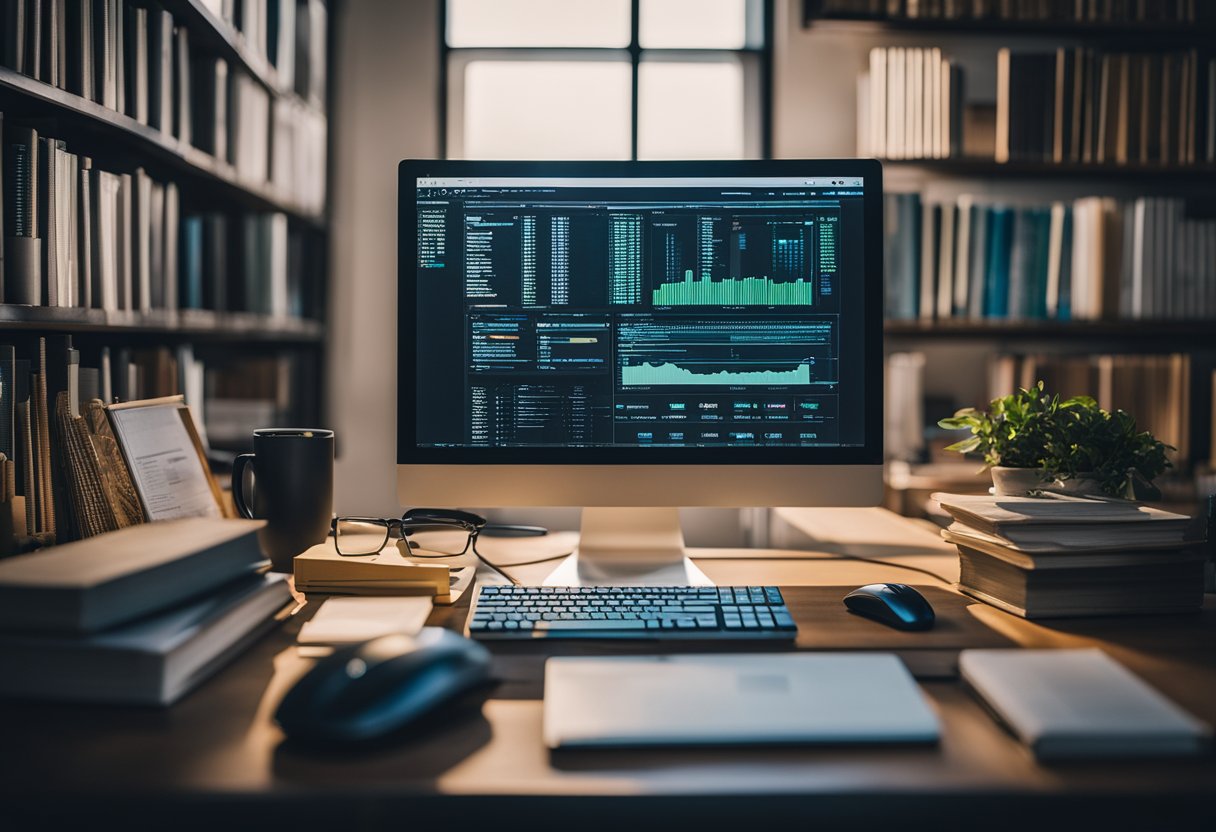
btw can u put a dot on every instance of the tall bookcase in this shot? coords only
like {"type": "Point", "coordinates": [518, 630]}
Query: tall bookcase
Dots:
{"type": "Point", "coordinates": [229, 307]}
{"type": "Point", "coordinates": [959, 353]}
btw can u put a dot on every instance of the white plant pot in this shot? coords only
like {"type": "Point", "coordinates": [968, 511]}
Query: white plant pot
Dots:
{"type": "Point", "coordinates": [1016, 482]}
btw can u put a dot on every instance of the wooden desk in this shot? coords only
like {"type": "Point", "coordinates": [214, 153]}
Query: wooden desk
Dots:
{"type": "Point", "coordinates": [217, 757]}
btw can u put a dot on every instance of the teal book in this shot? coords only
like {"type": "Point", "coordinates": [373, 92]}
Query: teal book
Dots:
{"type": "Point", "coordinates": [1021, 255]}
{"type": "Point", "coordinates": [996, 277]}
{"type": "Point", "coordinates": [1064, 304]}
{"type": "Point", "coordinates": [1036, 306]}
{"type": "Point", "coordinates": [191, 274]}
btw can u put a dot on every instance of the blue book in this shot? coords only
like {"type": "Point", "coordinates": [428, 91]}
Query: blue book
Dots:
{"type": "Point", "coordinates": [192, 263]}
{"type": "Point", "coordinates": [996, 277]}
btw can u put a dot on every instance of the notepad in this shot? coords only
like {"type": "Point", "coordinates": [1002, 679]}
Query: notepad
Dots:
{"type": "Point", "coordinates": [351, 620]}
{"type": "Point", "coordinates": [1080, 703]}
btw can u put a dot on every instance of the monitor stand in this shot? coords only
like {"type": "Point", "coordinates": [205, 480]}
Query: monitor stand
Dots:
{"type": "Point", "coordinates": [629, 547]}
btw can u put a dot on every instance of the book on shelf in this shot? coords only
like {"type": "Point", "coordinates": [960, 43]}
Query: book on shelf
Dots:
{"type": "Point", "coordinates": [1107, 107]}
{"type": "Point", "coordinates": [1091, 258]}
{"type": "Point", "coordinates": [152, 661]}
{"type": "Point", "coordinates": [135, 58]}
{"type": "Point", "coordinates": [1068, 11]}
{"type": "Point", "coordinates": [910, 104]}
{"type": "Point", "coordinates": [1156, 389]}
{"type": "Point", "coordinates": [85, 237]}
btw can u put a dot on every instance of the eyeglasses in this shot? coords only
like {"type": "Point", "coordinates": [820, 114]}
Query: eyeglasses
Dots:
{"type": "Point", "coordinates": [443, 532]}
{"type": "Point", "coordinates": [428, 532]}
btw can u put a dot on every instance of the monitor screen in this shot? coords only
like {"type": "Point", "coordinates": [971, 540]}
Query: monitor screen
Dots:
{"type": "Point", "coordinates": [638, 314]}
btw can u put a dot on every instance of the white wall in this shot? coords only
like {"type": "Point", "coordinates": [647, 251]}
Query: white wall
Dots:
{"type": "Point", "coordinates": [384, 109]}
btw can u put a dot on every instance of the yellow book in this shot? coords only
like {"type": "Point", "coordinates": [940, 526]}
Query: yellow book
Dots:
{"type": "Point", "coordinates": [322, 569]}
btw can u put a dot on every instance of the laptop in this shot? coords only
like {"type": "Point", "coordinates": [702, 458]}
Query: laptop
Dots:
{"type": "Point", "coordinates": [747, 699]}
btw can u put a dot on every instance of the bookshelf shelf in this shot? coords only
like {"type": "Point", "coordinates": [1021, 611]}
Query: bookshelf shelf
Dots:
{"type": "Point", "coordinates": [1164, 333]}
{"type": "Point", "coordinates": [1148, 33]}
{"type": "Point", "coordinates": [188, 324]}
{"type": "Point", "coordinates": [962, 168]}
{"type": "Point", "coordinates": [183, 157]}
{"type": "Point", "coordinates": [217, 36]}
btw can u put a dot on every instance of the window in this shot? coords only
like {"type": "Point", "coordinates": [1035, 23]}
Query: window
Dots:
{"type": "Point", "coordinates": [605, 79]}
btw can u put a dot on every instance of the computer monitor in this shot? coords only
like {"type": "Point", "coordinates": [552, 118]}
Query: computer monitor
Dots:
{"type": "Point", "coordinates": [639, 334]}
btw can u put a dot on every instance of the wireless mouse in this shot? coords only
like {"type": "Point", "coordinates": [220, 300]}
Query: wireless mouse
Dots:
{"type": "Point", "coordinates": [377, 688]}
{"type": "Point", "coordinates": [896, 605]}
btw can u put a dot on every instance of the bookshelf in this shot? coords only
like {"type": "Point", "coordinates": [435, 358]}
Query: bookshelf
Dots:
{"type": "Point", "coordinates": [195, 254]}
{"type": "Point", "coordinates": [953, 354]}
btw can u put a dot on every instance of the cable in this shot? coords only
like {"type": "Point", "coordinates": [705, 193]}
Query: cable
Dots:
{"type": "Point", "coordinates": [890, 563]}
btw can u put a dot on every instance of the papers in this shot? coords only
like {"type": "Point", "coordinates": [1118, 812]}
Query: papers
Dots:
{"type": "Point", "coordinates": [164, 460]}
{"type": "Point", "coordinates": [351, 620]}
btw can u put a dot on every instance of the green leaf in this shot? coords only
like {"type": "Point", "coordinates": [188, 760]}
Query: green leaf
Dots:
{"type": "Point", "coordinates": [966, 445]}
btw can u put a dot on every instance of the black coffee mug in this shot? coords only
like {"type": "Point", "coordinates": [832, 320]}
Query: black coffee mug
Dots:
{"type": "Point", "coordinates": [293, 489]}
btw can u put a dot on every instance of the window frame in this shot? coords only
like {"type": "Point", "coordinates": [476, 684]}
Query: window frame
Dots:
{"type": "Point", "coordinates": [756, 61]}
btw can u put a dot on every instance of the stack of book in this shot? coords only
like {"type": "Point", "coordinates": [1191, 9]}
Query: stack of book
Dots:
{"type": "Point", "coordinates": [1043, 557]}
{"type": "Point", "coordinates": [138, 616]}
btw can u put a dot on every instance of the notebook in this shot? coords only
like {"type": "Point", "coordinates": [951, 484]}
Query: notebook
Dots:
{"type": "Point", "coordinates": [697, 700]}
{"type": "Point", "coordinates": [1079, 703]}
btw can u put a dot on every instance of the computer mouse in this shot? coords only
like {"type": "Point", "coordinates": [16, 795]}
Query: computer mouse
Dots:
{"type": "Point", "coordinates": [896, 605]}
{"type": "Point", "coordinates": [373, 690]}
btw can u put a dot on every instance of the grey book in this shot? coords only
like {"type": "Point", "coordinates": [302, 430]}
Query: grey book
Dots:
{"type": "Point", "coordinates": [104, 581]}
{"type": "Point", "coordinates": [160, 68]}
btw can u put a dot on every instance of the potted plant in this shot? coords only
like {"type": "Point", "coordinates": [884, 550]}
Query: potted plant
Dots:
{"type": "Point", "coordinates": [1030, 440]}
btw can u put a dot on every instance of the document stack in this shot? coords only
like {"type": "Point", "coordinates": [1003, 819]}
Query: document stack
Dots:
{"type": "Point", "coordinates": [1058, 556]}
{"type": "Point", "coordinates": [139, 616]}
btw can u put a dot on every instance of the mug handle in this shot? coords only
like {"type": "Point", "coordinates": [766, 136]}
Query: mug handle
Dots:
{"type": "Point", "coordinates": [238, 484]}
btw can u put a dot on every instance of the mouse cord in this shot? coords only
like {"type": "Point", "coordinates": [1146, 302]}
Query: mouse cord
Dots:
{"type": "Point", "coordinates": [892, 564]}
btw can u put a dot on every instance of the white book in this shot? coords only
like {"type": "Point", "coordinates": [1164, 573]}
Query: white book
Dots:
{"type": "Point", "coordinates": [1080, 703]}
{"type": "Point", "coordinates": [914, 137]}
{"type": "Point", "coordinates": [878, 101]}
{"type": "Point", "coordinates": [1055, 248]}
{"type": "Point", "coordinates": [896, 98]}
{"type": "Point", "coordinates": [962, 254]}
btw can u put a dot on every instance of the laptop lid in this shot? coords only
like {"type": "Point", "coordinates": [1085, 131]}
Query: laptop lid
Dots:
{"type": "Point", "coordinates": [792, 698]}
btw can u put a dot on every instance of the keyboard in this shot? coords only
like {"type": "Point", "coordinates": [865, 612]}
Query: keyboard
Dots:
{"type": "Point", "coordinates": [619, 612]}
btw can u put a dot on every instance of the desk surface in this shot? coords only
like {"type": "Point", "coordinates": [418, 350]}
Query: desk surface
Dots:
{"type": "Point", "coordinates": [218, 747]}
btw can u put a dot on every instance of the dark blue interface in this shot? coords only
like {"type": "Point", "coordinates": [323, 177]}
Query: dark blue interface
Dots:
{"type": "Point", "coordinates": [639, 313]}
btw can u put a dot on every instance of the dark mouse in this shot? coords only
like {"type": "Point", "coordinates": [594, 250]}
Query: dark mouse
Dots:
{"type": "Point", "coordinates": [374, 689]}
{"type": "Point", "coordinates": [896, 605]}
